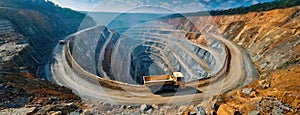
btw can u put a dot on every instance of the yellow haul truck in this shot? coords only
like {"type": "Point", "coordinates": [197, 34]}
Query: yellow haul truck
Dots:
{"type": "Point", "coordinates": [161, 82]}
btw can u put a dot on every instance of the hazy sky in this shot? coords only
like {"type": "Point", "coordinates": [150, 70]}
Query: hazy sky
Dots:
{"type": "Point", "coordinates": [177, 6]}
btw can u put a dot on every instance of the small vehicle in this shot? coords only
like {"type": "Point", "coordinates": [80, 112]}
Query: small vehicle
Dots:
{"type": "Point", "coordinates": [165, 82]}
{"type": "Point", "coordinates": [61, 42]}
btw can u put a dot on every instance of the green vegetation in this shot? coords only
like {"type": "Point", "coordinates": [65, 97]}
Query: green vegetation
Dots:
{"type": "Point", "coordinates": [242, 10]}
{"type": "Point", "coordinates": [43, 23]}
{"type": "Point", "coordinates": [288, 63]}
{"type": "Point", "coordinates": [258, 7]}
{"type": "Point", "coordinates": [28, 4]}
{"type": "Point", "coordinates": [42, 19]}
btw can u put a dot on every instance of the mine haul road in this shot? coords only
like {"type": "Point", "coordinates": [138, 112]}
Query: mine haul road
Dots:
{"type": "Point", "coordinates": [237, 71]}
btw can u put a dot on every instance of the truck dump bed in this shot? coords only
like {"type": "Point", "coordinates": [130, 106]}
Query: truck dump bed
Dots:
{"type": "Point", "coordinates": [175, 79]}
{"type": "Point", "coordinates": [158, 80]}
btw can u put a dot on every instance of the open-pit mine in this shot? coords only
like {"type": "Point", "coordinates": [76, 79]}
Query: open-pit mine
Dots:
{"type": "Point", "coordinates": [235, 57]}
{"type": "Point", "coordinates": [100, 63]}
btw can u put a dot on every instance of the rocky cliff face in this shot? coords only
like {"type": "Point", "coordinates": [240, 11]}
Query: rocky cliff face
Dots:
{"type": "Point", "coordinates": [271, 37]}
{"type": "Point", "coordinates": [144, 50]}
{"type": "Point", "coordinates": [29, 29]}
{"type": "Point", "coordinates": [42, 19]}
{"type": "Point", "coordinates": [42, 24]}
{"type": "Point", "coordinates": [14, 50]}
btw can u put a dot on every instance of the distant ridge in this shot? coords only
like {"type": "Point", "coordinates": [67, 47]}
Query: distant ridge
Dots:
{"type": "Point", "coordinates": [278, 4]}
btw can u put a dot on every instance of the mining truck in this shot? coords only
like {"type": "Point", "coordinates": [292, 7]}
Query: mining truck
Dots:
{"type": "Point", "coordinates": [161, 82]}
{"type": "Point", "coordinates": [61, 42]}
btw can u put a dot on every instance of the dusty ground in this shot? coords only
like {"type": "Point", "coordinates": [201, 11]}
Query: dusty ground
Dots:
{"type": "Point", "coordinates": [25, 94]}
{"type": "Point", "coordinates": [278, 93]}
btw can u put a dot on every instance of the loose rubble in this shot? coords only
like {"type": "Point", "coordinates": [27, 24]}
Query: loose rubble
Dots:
{"type": "Point", "coordinates": [19, 94]}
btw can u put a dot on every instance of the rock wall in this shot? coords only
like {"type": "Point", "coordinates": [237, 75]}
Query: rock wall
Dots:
{"type": "Point", "coordinates": [6, 26]}
{"type": "Point", "coordinates": [143, 50]}
{"type": "Point", "coordinates": [43, 24]}
{"type": "Point", "coordinates": [15, 54]}
{"type": "Point", "coordinates": [271, 37]}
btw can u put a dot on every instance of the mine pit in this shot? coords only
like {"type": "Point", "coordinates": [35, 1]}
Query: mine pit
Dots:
{"type": "Point", "coordinates": [144, 50]}
{"type": "Point", "coordinates": [104, 64]}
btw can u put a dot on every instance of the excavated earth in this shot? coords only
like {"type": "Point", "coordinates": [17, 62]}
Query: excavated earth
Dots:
{"type": "Point", "coordinates": [27, 94]}
{"type": "Point", "coordinates": [119, 61]}
{"type": "Point", "coordinates": [271, 38]}
{"type": "Point", "coordinates": [276, 94]}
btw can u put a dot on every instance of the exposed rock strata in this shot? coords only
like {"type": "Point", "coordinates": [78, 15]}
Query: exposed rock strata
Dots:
{"type": "Point", "coordinates": [146, 50]}
{"type": "Point", "coordinates": [269, 36]}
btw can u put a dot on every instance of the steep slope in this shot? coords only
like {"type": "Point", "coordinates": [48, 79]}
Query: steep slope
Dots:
{"type": "Point", "coordinates": [29, 29]}
{"type": "Point", "coordinates": [40, 18]}
{"type": "Point", "coordinates": [15, 51]}
{"type": "Point", "coordinates": [272, 39]}
{"type": "Point", "coordinates": [43, 23]}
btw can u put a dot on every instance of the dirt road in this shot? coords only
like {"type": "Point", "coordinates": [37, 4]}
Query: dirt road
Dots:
{"type": "Point", "coordinates": [237, 72]}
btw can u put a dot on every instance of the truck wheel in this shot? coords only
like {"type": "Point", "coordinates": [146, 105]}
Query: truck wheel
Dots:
{"type": "Point", "coordinates": [175, 88]}
{"type": "Point", "coordinates": [155, 89]}
{"type": "Point", "coordinates": [182, 85]}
